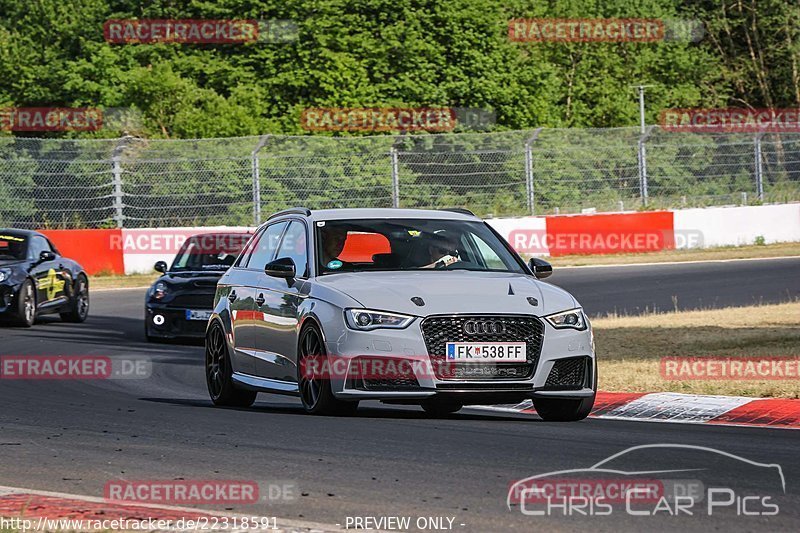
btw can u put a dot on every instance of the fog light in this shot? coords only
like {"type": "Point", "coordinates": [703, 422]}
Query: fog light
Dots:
{"type": "Point", "coordinates": [158, 320]}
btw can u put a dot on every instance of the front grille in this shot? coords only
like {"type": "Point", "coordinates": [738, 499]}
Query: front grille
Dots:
{"type": "Point", "coordinates": [437, 331]}
{"type": "Point", "coordinates": [192, 301]}
{"type": "Point", "coordinates": [568, 374]}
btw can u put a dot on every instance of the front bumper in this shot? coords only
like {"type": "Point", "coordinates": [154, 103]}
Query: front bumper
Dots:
{"type": "Point", "coordinates": [8, 294]}
{"type": "Point", "coordinates": [167, 322]}
{"type": "Point", "coordinates": [564, 367]}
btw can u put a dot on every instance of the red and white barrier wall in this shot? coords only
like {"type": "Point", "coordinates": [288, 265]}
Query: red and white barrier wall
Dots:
{"type": "Point", "coordinates": [131, 251]}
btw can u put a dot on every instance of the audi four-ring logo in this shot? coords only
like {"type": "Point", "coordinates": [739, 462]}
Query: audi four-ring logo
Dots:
{"type": "Point", "coordinates": [480, 327]}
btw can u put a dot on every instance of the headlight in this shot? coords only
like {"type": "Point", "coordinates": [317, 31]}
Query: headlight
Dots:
{"type": "Point", "coordinates": [366, 319]}
{"type": "Point", "coordinates": [4, 275]}
{"type": "Point", "coordinates": [160, 290]}
{"type": "Point", "coordinates": [572, 319]}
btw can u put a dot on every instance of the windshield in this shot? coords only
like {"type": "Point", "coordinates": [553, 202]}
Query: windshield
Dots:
{"type": "Point", "coordinates": [410, 244]}
{"type": "Point", "coordinates": [13, 247]}
{"type": "Point", "coordinates": [209, 252]}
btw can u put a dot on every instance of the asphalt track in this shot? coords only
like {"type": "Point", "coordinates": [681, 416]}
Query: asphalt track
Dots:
{"type": "Point", "coordinates": [74, 436]}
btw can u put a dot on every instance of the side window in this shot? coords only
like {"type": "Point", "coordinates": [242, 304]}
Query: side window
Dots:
{"type": "Point", "coordinates": [37, 246]}
{"type": "Point", "coordinates": [247, 250]}
{"type": "Point", "coordinates": [294, 246]}
{"type": "Point", "coordinates": [264, 249]}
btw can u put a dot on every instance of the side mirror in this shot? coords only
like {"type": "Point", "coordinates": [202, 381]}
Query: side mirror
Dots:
{"type": "Point", "coordinates": [281, 268]}
{"type": "Point", "coordinates": [160, 266]}
{"type": "Point", "coordinates": [46, 255]}
{"type": "Point", "coordinates": [540, 268]}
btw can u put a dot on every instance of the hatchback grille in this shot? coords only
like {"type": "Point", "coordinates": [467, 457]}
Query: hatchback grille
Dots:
{"type": "Point", "coordinates": [193, 301]}
{"type": "Point", "coordinates": [568, 374]}
{"type": "Point", "coordinates": [437, 331]}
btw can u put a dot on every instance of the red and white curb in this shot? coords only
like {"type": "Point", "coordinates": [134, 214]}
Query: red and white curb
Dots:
{"type": "Point", "coordinates": [43, 508]}
{"type": "Point", "coordinates": [686, 409]}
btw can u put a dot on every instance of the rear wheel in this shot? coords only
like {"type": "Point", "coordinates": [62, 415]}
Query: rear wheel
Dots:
{"type": "Point", "coordinates": [314, 385]}
{"type": "Point", "coordinates": [79, 303]}
{"type": "Point", "coordinates": [219, 373]}
{"type": "Point", "coordinates": [439, 407]}
{"type": "Point", "coordinates": [26, 305]}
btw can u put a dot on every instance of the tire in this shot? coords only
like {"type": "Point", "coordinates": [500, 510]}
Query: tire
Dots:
{"type": "Point", "coordinates": [438, 407]}
{"type": "Point", "coordinates": [26, 305]}
{"type": "Point", "coordinates": [79, 303]}
{"type": "Point", "coordinates": [219, 373]}
{"type": "Point", "coordinates": [315, 392]}
{"type": "Point", "coordinates": [561, 410]}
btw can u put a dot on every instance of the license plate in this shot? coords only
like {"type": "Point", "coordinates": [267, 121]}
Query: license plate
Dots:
{"type": "Point", "coordinates": [197, 315]}
{"type": "Point", "coordinates": [487, 352]}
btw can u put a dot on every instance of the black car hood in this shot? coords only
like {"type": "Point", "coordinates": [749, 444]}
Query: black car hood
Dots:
{"type": "Point", "coordinates": [11, 262]}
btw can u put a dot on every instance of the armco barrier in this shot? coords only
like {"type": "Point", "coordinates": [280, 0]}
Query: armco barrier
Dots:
{"type": "Point", "coordinates": [133, 251]}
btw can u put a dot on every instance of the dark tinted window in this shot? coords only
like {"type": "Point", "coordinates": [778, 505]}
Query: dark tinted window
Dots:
{"type": "Point", "coordinates": [215, 251]}
{"type": "Point", "coordinates": [13, 247]}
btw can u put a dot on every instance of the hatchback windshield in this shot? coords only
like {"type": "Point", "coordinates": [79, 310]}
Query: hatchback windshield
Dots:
{"type": "Point", "coordinates": [410, 244]}
{"type": "Point", "coordinates": [13, 247]}
{"type": "Point", "coordinates": [209, 252]}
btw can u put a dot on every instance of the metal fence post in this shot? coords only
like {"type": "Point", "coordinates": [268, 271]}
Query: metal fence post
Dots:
{"type": "Point", "coordinates": [642, 155]}
{"type": "Point", "coordinates": [759, 167]}
{"type": "Point", "coordinates": [529, 168]}
{"type": "Point", "coordinates": [395, 178]}
{"type": "Point", "coordinates": [116, 180]}
{"type": "Point", "coordinates": [256, 171]}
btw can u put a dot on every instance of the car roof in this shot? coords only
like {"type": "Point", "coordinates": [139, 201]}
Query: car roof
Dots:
{"type": "Point", "coordinates": [20, 232]}
{"type": "Point", "coordinates": [375, 213]}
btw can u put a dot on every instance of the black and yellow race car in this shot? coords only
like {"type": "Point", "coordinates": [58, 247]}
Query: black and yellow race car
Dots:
{"type": "Point", "coordinates": [35, 280]}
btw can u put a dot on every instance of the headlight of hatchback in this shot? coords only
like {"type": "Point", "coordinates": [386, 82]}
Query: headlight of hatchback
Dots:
{"type": "Point", "coordinates": [367, 319]}
{"type": "Point", "coordinates": [572, 319]}
{"type": "Point", "coordinates": [160, 290]}
{"type": "Point", "coordinates": [4, 274]}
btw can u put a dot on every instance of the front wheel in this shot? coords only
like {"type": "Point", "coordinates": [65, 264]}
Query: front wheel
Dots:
{"type": "Point", "coordinates": [26, 305]}
{"type": "Point", "coordinates": [79, 303]}
{"type": "Point", "coordinates": [219, 373]}
{"type": "Point", "coordinates": [314, 384]}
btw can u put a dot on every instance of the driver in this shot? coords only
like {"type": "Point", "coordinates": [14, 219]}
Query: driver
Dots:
{"type": "Point", "coordinates": [333, 239]}
{"type": "Point", "coordinates": [442, 250]}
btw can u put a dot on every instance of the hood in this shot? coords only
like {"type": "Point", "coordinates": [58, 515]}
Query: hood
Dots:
{"type": "Point", "coordinates": [450, 292]}
{"type": "Point", "coordinates": [11, 262]}
{"type": "Point", "coordinates": [202, 280]}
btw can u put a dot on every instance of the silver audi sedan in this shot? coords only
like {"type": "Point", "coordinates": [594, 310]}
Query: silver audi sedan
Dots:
{"type": "Point", "coordinates": [423, 307]}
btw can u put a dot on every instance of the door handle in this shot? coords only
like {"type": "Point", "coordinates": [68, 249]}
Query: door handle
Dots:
{"type": "Point", "coordinates": [260, 300]}
{"type": "Point", "coordinates": [232, 296]}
